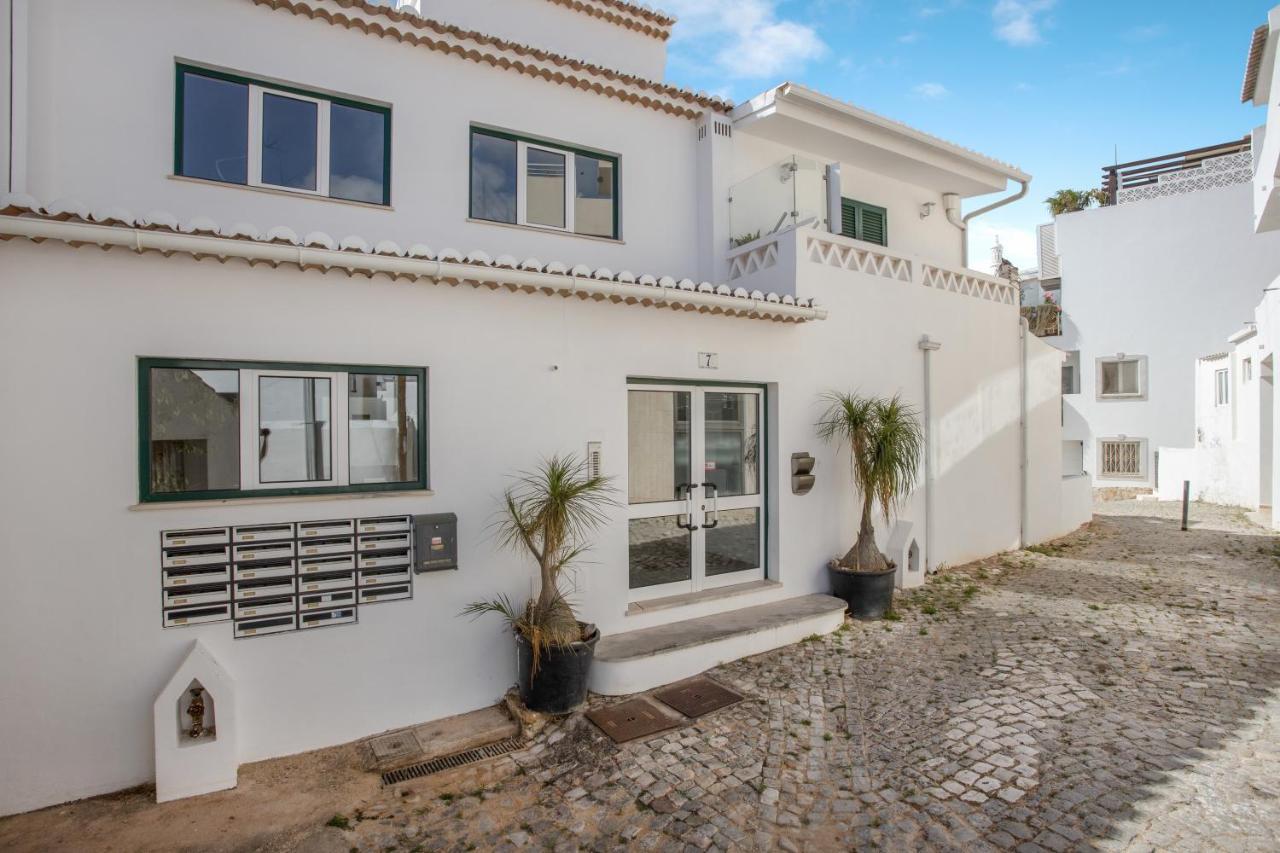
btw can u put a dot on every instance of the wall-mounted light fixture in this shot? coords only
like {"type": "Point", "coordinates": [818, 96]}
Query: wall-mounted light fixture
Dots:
{"type": "Point", "coordinates": [926, 209]}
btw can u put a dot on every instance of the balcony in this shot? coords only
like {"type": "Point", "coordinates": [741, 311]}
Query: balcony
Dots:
{"type": "Point", "coordinates": [778, 262]}
{"type": "Point", "coordinates": [1175, 174]}
{"type": "Point", "coordinates": [1044, 320]}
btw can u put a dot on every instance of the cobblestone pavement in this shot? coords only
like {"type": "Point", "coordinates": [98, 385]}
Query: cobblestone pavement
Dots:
{"type": "Point", "coordinates": [1115, 690]}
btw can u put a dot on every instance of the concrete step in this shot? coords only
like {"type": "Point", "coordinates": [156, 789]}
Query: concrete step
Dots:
{"type": "Point", "coordinates": [635, 661]}
{"type": "Point", "coordinates": [416, 744]}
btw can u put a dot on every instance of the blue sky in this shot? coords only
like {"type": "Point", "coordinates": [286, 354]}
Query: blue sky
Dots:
{"type": "Point", "coordinates": [1056, 87]}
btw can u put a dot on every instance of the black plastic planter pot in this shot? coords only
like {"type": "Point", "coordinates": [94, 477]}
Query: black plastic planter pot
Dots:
{"type": "Point", "coordinates": [561, 683]}
{"type": "Point", "coordinates": [869, 595]}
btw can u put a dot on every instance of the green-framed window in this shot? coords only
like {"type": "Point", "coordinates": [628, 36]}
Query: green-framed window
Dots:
{"type": "Point", "coordinates": [863, 221]}
{"type": "Point", "coordinates": [238, 130]}
{"type": "Point", "coordinates": [521, 180]}
{"type": "Point", "coordinates": [212, 429]}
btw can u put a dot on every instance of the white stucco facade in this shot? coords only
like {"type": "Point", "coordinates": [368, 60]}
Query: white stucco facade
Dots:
{"type": "Point", "coordinates": [1161, 281]}
{"type": "Point", "coordinates": [524, 358]}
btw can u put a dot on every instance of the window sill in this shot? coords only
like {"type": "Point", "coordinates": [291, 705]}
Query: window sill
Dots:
{"type": "Point", "coordinates": [652, 605]}
{"type": "Point", "coordinates": [273, 191]}
{"type": "Point", "coordinates": [552, 231]}
{"type": "Point", "coordinates": [278, 499]}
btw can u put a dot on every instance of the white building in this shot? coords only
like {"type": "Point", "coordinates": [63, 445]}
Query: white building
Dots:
{"type": "Point", "coordinates": [1232, 459]}
{"type": "Point", "coordinates": [1148, 283]}
{"type": "Point", "coordinates": [367, 263]}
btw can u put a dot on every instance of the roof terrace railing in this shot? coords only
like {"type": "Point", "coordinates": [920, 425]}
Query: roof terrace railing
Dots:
{"type": "Point", "coordinates": [1141, 173]}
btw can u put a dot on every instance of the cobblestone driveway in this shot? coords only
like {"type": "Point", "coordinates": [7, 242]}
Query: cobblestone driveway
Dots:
{"type": "Point", "coordinates": [1115, 690]}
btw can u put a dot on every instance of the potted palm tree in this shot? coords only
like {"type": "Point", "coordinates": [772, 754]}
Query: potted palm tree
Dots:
{"type": "Point", "coordinates": [548, 514]}
{"type": "Point", "coordinates": [884, 439]}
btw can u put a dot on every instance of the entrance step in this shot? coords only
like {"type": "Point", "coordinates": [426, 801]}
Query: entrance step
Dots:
{"type": "Point", "coordinates": [644, 659]}
{"type": "Point", "coordinates": [451, 735]}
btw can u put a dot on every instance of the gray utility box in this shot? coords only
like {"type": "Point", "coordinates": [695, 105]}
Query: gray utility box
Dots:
{"type": "Point", "coordinates": [435, 539]}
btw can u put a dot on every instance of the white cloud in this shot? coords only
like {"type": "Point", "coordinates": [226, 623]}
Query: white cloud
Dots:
{"type": "Point", "coordinates": [1019, 22]}
{"type": "Point", "coordinates": [931, 90]}
{"type": "Point", "coordinates": [746, 38]}
{"type": "Point", "coordinates": [909, 38]}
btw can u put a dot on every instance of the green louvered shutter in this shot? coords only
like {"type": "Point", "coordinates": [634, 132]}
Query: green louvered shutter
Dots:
{"type": "Point", "coordinates": [848, 218]}
{"type": "Point", "coordinates": [873, 226]}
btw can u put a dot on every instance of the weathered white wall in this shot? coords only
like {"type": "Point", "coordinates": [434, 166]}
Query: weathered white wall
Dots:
{"type": "Point", "coordinates": [84, 316]}
{"type": "Point", "coordinates": [1167, 278]}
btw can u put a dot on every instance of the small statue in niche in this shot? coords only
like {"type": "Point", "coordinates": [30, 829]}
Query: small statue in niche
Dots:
{"type": "Point", "coordinates": [195, 710]}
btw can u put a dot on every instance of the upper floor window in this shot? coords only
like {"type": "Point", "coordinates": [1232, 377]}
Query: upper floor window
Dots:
{"type": "Point", "coordinates": [239, 131]}
{"type": "Point", "coordinates": [864, 221]}
{"type": "Point", "coordinates": [1120, 376]}
{"type": "Point", "coordinates": [1221, 387]}
{"type": "Point", "coordinates": [543, 185]}
{"type": "Point", "coordinates": [221, 429]}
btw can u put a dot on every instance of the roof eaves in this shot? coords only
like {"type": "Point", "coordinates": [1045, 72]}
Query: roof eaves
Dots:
{"type": "Point", "coordinates": [633, 16]}
{"type": "Point", "coordinates": [354, 254]}
{"type": "Point", "coordinates": [1253, 63]}
{"type": "Point", "coordinates": [794, 90]}
{"type": "Point", "coordinates": [501, 53]}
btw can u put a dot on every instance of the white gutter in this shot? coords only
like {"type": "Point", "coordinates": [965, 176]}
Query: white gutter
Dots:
{"type": "Point", "coordinates": [928, 346]}
{"type": "Point", "coordinates": [951, 203]}
{"type": "Point", "coordinates": [200, 245]}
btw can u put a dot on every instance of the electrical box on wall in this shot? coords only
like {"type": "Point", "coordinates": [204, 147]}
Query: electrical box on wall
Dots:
{"type": "Point", "coordinates": [436, 542]}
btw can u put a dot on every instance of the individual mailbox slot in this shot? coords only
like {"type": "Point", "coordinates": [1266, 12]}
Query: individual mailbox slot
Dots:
{"type": "Point", "coordinates": [262, 532]}
{"type": "Point", "coordinates": [320, 618]}
{"type": "Point", "coordinates": [260, 571]}
{"type": "Point", "coordinates": [264, 607]}
{"type": "Point", "coordinates": [316, 565]}
{"type": "Point", "coordinates": [195, 576]}
{"type": "Point", "coordinates": [266, 625]}
{"type": "Point", "coordinates": [385, 524]}
{"type": "Point", "coordinates": [377, 577]}
{"type": "Point", "coordinates": [376, 594]}
{"type": "Point", "coordinates": [327, 600]}
{"type": "Point", "coordinates": [333, 527]}
{"type": "Point", "coordinates": [264, 588]}
{"type": "Point", "coordinates": [316, 547]}
{"type": "Point", "coordinates": [189, 538]}
{"type": "Point", "coordinates": [189, 596]}
{"type": "Point", "coordinates": [196, 615]}
{"type": "Point", "coordinates": [384, 560]}
{"type": "Point", "coordinates": [203, 556]}
{"type": "Point", "coordinates": [385, 541]}
{"type": "Point", "coordinates": [263, 551]}
{"type": "Point", "coordinates": [326, 582]}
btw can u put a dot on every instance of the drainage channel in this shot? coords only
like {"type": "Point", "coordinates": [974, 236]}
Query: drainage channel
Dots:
{"type": "Point", "coordinates": [448, 762]}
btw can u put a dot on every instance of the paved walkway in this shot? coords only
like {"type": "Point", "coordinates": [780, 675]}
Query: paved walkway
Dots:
{"type": "Point", "coordinates": [1115, 691]}
{"type": "Point", "coordinates": [1118, 690]}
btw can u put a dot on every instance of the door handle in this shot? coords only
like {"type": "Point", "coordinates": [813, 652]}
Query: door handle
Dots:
{"type": "Point", "coordinates": [687, 488]}
{"type": "Point", "coordinates": [715, 506]}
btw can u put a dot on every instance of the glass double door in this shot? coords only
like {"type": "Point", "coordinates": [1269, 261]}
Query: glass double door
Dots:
{"type": "Point", "coordinates": [695, 487]}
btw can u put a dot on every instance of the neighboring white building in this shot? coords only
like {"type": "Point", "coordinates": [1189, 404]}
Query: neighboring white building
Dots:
{"type": "Point", "coordinates": [366, 264]}
{"type": "Point", "coordinates": [1232, 460]}
{"type": "Point", "coordinates": [1149, 283]}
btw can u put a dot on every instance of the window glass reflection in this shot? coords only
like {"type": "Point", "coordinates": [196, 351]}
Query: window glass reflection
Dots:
{"type": "Point", "coordinates": [195, 430]}
{"type": "Point", "coordinates": [383, 428]}
{"type": "Point", "coordinates": [293, 429]}
{"type": "Point", "coordinates": [493, 178]}
{"type": "Point", "coordinates": [289, 142]}
{"type": "Point", "coordinates": [357, 154]}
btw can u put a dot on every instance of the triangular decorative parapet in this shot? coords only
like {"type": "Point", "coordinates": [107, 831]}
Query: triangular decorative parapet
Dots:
{"type": "Point", "coordinates": [195, 728]}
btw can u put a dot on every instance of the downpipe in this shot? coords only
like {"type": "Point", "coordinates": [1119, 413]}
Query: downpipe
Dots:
{"type": "Point", "coordinates": [928, 347]}
{"type": "Point", "coordinates": [1022, 431]}
{"type": "Point", "coordinates": [951, 204]}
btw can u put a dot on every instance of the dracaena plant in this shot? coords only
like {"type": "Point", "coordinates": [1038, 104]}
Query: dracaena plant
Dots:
{"type": "Point", "coordinates": [549, 514]}
{"type": "Point", "coordinates": [885, 441]}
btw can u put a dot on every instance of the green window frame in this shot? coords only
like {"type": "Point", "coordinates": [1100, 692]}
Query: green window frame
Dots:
{"type": "Point", "coordinates": [420, 481]}
{"type": "Point", "coordinates": [256, 87]}
{"type": "Point", "coordinates": [862, 221]}
{"type": "Point", "coordinates": [523, 142]}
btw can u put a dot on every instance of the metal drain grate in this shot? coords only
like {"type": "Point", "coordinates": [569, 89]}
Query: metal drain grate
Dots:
{"type": "Point", "coordinates": [448, 762]}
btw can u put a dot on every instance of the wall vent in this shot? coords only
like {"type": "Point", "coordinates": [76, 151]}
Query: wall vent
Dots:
{"type": "Point", "coordinates": [595, 459]}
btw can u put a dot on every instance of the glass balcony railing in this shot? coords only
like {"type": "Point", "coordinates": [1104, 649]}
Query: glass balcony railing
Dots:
{"type": "Point", "coordinates": [791, 192]}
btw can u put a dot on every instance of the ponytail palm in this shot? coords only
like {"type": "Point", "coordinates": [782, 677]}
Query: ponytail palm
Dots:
{"type": "Point", "coordinates": [885, 442]}
{"type": "Point", "coordinates": [548, 513]}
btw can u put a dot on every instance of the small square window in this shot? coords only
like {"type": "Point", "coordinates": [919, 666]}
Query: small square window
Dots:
{"type": "Point", "coordinates": [1120, 377]}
